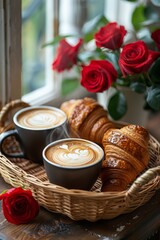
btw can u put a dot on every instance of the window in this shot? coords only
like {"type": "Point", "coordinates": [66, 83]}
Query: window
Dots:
{"type": "Point", "coordinates": [40, 20]}
{"type": "Point", "coordinates": [38, 79]}
{"type": "Point", "coordinates": [12, 85]}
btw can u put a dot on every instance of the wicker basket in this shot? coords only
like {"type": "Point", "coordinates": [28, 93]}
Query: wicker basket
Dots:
{"type": "Point", "coordinates": [77, 204]}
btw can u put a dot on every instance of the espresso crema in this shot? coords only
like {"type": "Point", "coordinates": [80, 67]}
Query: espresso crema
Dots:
{"type": "Point", "coordinates": [74, 153]}
{"type": "Point", "coordinates": [41, 118]}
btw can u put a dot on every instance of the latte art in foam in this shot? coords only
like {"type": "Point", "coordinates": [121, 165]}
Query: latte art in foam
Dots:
{"type": "Point", "coordinates": [73, 153]}
{"type": "Point", "coordinates": [41, 118]}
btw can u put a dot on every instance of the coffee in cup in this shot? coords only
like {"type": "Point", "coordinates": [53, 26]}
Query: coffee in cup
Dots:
{"type": "Point", "coordinates": [36, 127]}
{"type": "Point", "coordinates": [73, 163]}
{"type": "Point", "coordinates": [40, 118]}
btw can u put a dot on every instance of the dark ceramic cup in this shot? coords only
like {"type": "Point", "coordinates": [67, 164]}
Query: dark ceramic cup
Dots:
{"type": "Point", "coordinates": [73, 163]}
{"type": "Point", "coordinates": [36, 127]}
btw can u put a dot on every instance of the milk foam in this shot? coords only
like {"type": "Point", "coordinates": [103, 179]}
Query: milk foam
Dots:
{"type": "Point", "coordinates": [73, 153]}
{"type": "Point", "coordinates": [41, 118]}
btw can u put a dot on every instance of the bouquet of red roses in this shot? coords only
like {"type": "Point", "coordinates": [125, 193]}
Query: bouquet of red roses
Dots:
{"type": "Point", "coordinates": [113, 62]}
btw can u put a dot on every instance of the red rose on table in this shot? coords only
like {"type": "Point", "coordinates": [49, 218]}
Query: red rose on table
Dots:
{"type": "Point", "coordinates": [136, 58]}
{"type": "Point", "coordinates": [19, 206]}
{"type": "Point", "coordinates": [66, 55]}
{"type": "Point", "coordinates": [156, 37]}
{"type": "Point", "coordinates": [110, 36]}
{"type": "Point", "coordinates": [98, 75]}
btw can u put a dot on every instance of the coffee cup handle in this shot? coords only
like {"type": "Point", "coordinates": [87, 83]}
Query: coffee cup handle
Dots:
{"type": "Point", "coordinates": [5, 135]}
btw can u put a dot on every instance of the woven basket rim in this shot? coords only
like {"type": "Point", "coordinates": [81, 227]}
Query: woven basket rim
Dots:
{"type": "Point", "coordinates": [34, 180]}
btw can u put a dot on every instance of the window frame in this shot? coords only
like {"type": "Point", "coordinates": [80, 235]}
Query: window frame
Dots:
{"type": "Point", "coordinates": [10, 50]}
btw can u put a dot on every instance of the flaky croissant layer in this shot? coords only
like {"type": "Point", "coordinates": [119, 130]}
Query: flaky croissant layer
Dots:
{"type": "Point", "coordinates": [87, 119]}
{"type": "Point", "coordinates": [126, 156]}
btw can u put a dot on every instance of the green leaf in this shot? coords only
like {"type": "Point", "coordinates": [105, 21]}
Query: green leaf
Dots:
{"type": "Point", "coordinates": [154, 71]}
{"type": "Point", "coordinates": [123, 82]}
{"type": "Point", "coordinates": [147, 19]}
{"type": "Point", "coordinates": [117, 106]}
{"type": "Point", "coordinates": [138, 17]}
{"type": "Point", "coordinates": [145, 35]}
{"type": "Point", "coordinates": [138, 87]}
{"type": "Point", "coordinates": [87, 56]}
{"type": "Point", "coordinates": [92, 26]}
{"type": "Point", "coordinates": [151, 13]}
{"type": "Point", "coordinates": [69, 85]}
{"type": "Point", "coordinates": [3, 192]}
{"type": "Point", "coordinates": [56, 40]}
{"type": "Point", "coordinates": [100, 53]}
{"type": "Point", "coordinates": [111, 56]}
{"type": "Point", "coordinates": [153, 97]}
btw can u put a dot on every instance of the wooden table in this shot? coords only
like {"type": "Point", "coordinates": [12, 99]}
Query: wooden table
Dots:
{"type": "Point", "coordinates": [143, 223]}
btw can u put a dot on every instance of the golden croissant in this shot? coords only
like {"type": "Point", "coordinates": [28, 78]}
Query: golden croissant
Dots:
{"type": "Point", "coordinates": [87, 119]}
{"type": "Point", "coordinates": [126, 156]}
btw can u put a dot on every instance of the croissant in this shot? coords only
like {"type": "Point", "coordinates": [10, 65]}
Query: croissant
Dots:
{"type": "Point", "coordinates": [87, 119]}
{"type": "Point", "coordinates": [126, 156]}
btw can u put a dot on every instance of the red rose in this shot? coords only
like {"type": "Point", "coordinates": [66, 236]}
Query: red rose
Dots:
{"type": "Point", "coordinates": [66, 55]}
{"type": "Point", "coordinates": [110, 36]}
{"type": "Point", "coordinates": [156, 37]}
{"type": "Point", "coordinates": [136, 58]}
{"type": "Point", "coordinates": [19, 206]}
{"type": "Point", "coordinates": [98, 75]}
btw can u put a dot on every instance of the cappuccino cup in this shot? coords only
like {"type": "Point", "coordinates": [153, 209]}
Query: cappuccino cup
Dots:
{"type": "Point", "coordinates": [73, 163]}
{"type": "Point", "coordinates": [36, 127]}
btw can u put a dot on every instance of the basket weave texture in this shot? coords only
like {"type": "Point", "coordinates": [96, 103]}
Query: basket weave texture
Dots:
{"type": "Point", "coordinates": [76, 204]}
